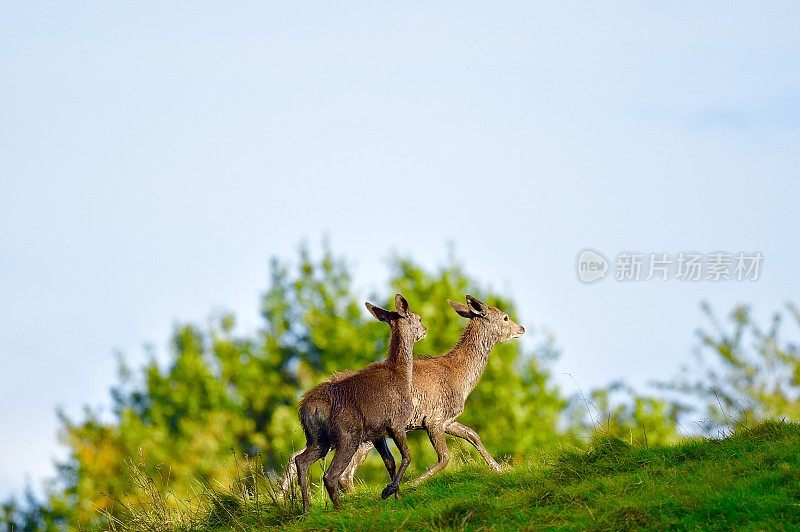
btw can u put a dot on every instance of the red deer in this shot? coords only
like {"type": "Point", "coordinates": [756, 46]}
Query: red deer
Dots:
{"type": "Point", "coordinates": [367, 405]}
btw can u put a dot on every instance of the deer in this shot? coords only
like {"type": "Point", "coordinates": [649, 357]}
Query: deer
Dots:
{"type": "Point", "coordinates": [365, 406]}
{"type": "Point", "coordinates": [440, 387]}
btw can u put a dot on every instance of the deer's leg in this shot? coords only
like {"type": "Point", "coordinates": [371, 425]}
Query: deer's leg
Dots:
{"type": "Point", "coordinates": [303, 461]}
{"type": "Point", "coordinates": [388, 460]}
{"type": "Point", "coordinates": [436, 435]}
{"type": "Point", "coordinates": [346, 481]}
{"type": "Point", "coordinates": [399, 438]}
{"type": "Point", "coordinates": [290, 473]}
{"type": "Point", "coordinates": [465, 433]}
{"type": "Point", "coordinates": [346, 448]}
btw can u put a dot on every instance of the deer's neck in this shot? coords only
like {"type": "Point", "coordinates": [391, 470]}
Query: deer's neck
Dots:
{"type": "Point", "coordinates": [401, 351]}
{"type": "Point", "coordinates": [470, 354]}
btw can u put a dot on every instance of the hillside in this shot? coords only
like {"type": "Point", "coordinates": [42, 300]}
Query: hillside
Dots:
{"type": "Point", "coordinates": [750, 480]}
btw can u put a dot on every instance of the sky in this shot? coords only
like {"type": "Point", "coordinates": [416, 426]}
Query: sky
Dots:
{"type": "Point", "coordinates": [154, 157]}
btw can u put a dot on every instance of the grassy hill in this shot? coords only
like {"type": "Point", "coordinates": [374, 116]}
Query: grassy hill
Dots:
{"type": "Point", "coordinates": [750, 481]}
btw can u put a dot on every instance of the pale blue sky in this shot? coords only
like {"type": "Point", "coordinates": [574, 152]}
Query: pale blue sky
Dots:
{"type": "Point", "coordinates": [154, 156]}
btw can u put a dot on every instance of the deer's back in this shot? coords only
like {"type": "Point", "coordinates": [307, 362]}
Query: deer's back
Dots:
{"type": "Point", "coordinates": [375, 399]}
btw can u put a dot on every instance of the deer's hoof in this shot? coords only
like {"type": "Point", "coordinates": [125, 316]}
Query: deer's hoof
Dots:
{"type": "Point", "coordinates": [388, 490]}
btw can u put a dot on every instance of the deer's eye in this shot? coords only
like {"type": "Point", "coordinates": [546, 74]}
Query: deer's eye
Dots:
{"type": "Point", "coordinates": [505, 318]}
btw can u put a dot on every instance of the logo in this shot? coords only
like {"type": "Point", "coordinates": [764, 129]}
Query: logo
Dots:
{"type": "Point", "coordinates": [592, 266]}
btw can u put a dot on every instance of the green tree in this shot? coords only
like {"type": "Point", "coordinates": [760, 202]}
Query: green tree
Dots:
{"type": "Point", "coordinates": [744, 372]}
{"type": "Point", "coordinates": [221, 395]}
{"type": "Point", "coordinates": [619, 410]}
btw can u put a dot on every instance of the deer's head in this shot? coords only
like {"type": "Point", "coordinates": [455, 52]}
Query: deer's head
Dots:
{"type": "Point", "coordinates": [496, 323]}
{"type": "Point", "coordinates": [402, 318]}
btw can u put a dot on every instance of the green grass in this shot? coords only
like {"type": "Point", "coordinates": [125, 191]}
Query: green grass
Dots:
{"type": "Point", "coordinates": [748, 481]}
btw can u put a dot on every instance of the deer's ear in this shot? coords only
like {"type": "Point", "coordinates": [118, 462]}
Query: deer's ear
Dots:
{"type": "Point", "coordinates": [401, 305]}
{"type": "Point", "coordinates": [461, 309]}
{"type": "Point", "coordinates": [381, 313]}
{"type": "Point", "coordinates": [477, 307]}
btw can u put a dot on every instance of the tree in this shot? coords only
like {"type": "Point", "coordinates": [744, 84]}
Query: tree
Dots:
{"type": "Point", "coordinates": [619, 410]}
{"type": "Point", "coordinates": [744, 372]}
{"type": "Point", "coordinates": [222, 395]}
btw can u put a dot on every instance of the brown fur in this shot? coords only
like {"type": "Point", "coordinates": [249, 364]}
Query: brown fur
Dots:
{"type": "Point", "coordinates": [320, 396]}
{"type": "Point", "coordinates": [363, 406]}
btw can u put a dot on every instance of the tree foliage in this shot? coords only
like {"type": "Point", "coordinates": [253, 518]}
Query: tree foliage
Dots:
{"type": "Point", "coordinates": [744, 371]}
{"type": "Point", "coordinates": [618, 410]}
{"type": "Point", "coordinates": [220, 394]}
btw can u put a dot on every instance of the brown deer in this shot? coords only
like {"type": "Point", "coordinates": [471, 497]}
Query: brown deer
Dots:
{"type": "Point", "coordinates": [440, 386]}
{"type": "Point", "coordinates": [367, 405]}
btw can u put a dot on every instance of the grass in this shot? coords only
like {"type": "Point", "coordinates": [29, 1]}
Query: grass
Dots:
{"type": "Point", "coordinates": [748, 481]}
